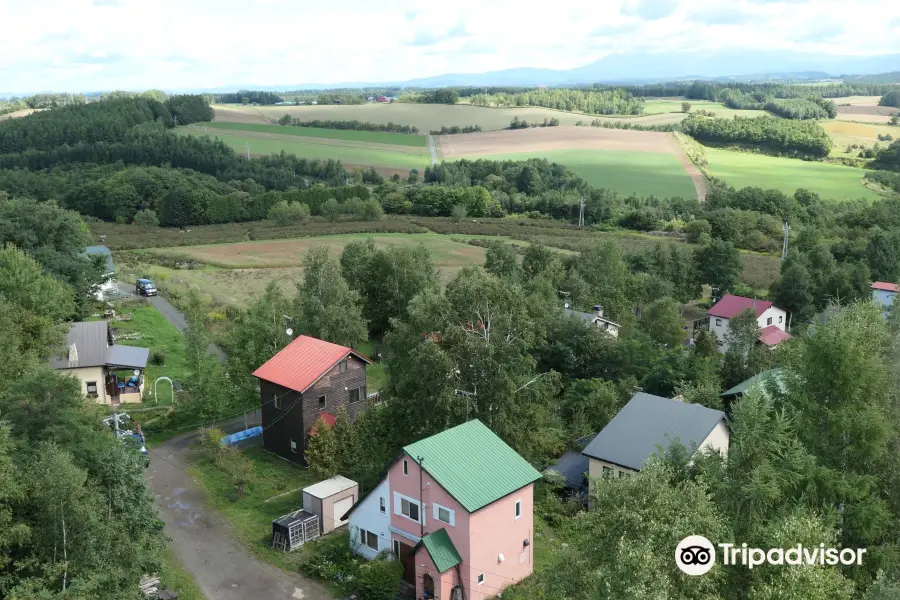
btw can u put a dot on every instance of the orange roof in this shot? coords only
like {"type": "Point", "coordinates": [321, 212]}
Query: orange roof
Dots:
{"type": "Point", "coordinates": [885, 287]}
{"type": "Point", "coordinates": [303, 362]}
{"type": "Point", "coordinates": [772, 335]}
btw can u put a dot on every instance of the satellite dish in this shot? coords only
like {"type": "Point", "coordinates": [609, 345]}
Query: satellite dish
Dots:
{"type": "Point", "coordinates": [566, 305]}
{"type": "Point", "coordinates": [289, 331]}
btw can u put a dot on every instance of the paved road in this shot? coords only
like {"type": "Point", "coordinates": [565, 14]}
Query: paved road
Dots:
{"type": "Point", "coordinates": [221, 565]}
{"type": "Point", "coordinates": [172, 314]}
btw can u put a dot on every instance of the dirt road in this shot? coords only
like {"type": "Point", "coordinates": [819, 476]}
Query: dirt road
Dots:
{"type": "Point", "coordinates": [221, 565]}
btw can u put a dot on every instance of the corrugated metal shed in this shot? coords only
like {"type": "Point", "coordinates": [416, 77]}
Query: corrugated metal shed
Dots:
{"type": "Point", "coordinates": [441, 550]}
{"type": "Point", "coordinates": [303, 362]}
{"type": "Point", "coordinates": [647, 421]}
{"type": "Point", "coordinates": [474, 465]}
{"type": "Point", "coordinates": [131, 357]}
{"type": "Point", "coordinates": [329, 487]}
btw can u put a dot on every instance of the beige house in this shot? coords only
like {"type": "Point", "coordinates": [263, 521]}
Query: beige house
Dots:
{"type": "Point", "coordinates": [648, 424]}
{"type": "Point", "coordinates": [109, 373]}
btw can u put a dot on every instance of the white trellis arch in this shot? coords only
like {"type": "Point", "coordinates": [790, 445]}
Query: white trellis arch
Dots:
{"type": "Point", "coordinates": [171, 387]}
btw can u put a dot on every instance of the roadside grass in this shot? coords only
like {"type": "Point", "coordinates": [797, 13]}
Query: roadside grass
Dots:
{"type": "Point", "coordinates": [658, 174]}
{"type": "Point", "coordinates": [831, 181]}
{"type": "Point", "coordinates": [378, 137]}
{"type": "Point", "coordinates": [175, 577]}
{"type": "Point", "coordinates": [319, 148]}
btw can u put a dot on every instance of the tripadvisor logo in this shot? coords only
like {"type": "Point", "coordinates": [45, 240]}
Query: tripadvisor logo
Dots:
{"type": "Point", "coordinates": [696, 555]}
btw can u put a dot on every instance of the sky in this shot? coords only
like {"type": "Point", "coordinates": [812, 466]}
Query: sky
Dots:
{"type": "Point", "coordinates": [97, 45]}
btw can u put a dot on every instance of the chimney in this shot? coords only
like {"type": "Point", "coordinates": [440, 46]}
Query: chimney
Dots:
{"type": "Point", "coordinates": [73, 355]}
{"type": "Point", "coordinates": [598, 310]}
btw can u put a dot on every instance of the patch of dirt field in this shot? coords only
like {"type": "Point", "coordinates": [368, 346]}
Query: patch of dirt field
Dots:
{"type": "Point", "coordinates": [293, 139]}
{"type": "Point", "coordinates": [863, 118]}
{"type": "Point", "coordinates": [539, 139]}
{"type": "Point", "coordinates": [18, 113]}
{"type": "Point", "coordinates": [857, 109]}
{"type": "Point", "coordinates": [244, 115]}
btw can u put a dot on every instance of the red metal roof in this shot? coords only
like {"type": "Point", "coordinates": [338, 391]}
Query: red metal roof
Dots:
{"type": "Point", "coordinates": [731, 306]}
{"type": "Point", "coordinates": [885, 287]}
{"type": "Point", "coordinates": [329, 419]}
{"type": "Point", "coordinates": [772, 336]}
{"type": "Point", "coordinates": [302, 362]}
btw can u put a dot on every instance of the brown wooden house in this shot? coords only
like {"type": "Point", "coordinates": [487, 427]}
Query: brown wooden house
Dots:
{"type": "Point", "coordinates": [309, 378]}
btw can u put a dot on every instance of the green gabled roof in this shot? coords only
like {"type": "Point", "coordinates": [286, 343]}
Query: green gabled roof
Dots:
{"type": "Point", "coordinates": [474, 465]}
{"type": "Point", "coordinates": [441, 550]}
{"type": "Point", "coordinates": [743, 386]}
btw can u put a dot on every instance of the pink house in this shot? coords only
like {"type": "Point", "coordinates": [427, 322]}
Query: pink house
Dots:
{"type": "Point", "coordinates": [456, 509]}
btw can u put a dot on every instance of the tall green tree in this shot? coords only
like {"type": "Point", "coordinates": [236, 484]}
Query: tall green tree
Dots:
{"type": "Point", "coordinates": [718, 264]}
{"type": "Point", "coordinates": [328, 309]}
{"type": "Point", "coordinates": [663, 322]}
{"type": "Point", "coordinates": [502, 260]}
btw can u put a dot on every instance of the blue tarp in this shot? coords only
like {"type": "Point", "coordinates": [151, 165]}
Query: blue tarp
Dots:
{"type": "Point", "coordinates": [234, 438]}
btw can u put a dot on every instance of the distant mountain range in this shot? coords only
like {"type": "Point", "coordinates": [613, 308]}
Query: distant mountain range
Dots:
{"type": "Point", "coordinates": [644, 68]}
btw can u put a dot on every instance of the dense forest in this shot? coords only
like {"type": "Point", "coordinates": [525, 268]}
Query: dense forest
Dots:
{"type": "Point", "coordinates": [809, 107]}
{"type": "Point", "coordinates": [607, 102]}
{"type": "Point", "coordinates": [891, 98]}
{"type": "Point", "coordinates": [352, 125]}
{"type": "Point", "coordinates": [768, 134]}
{"type": "Point", "coordinates": [249, 97]}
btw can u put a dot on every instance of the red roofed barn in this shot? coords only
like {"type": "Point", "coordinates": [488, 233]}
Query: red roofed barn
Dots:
{"type": "Point", "coordinates": [772, 321]}
{"type": "Point", "coordinates": [309, 378]}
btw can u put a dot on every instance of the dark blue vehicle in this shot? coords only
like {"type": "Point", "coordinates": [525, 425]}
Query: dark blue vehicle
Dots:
{"type": "Point", "coordinates": [144, 287]}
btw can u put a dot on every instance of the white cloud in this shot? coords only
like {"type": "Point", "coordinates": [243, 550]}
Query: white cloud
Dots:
{"type": "Point", "coordinates": [82, 45]}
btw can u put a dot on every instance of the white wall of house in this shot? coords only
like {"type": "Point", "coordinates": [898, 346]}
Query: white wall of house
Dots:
{"type": "Point", "coordinates": [883, 297]}
{"type": "Point", "coordinates": [772, 316]}
{"type": "Point", "coordinates": [87, 375]}
{"type": "Point", "coordinates": [107, 289]}
{"type": "Point", "coordinates": [719, 326]}
{"type": "Point", "coordinates": [369, 517]}
{"type": "Point", "coordinates": [717, 440]}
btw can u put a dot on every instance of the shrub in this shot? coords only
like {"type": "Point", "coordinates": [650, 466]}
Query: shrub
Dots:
{"type": "Point", "coordinates": [331, 209]}
{"type": "Point", "coordinates": [158, 357]}
{"type": "Point", "coordinates": [288, 213]}
{"type": "Point", "coordinates": [352, 206]}
{"type": "Point", "coordinates": [459, 212]}
{"type": "Point", "coordinates": [685, 107]}
{"type": "Point", "coordinates": [211, 441]}
{"type": "Point", "coordinates": [371, 210]}
{"type": "Point", "coordinates": [379, 579]}
{"type": "Point", "coordinates": [146, 218]}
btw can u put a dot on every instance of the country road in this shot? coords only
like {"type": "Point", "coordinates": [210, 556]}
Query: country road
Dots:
{"type": "Point", "coordinates": [222, 566]}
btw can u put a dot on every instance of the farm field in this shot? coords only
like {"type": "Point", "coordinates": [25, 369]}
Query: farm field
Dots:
{"type": "Point", "coordinates": [377, 137]}
{"type": "Point", "coordinates": [845, 133]}
{"type": "Point", "coordinates": [629, 162]}
{"type": "Point", "coordinates": [742, 169]}
{"type": "Point", "coordinates": [654, 106]}
{"type": "Point", "coordinates": [347, 151]}
{"type": "Point", "coordinates": [424, 116]}
{"type": "Point", "coordinates": [18, 113]}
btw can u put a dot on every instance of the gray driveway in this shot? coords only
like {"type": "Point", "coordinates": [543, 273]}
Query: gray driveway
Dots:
{"type": "Point", "coordinates": [221, 565]}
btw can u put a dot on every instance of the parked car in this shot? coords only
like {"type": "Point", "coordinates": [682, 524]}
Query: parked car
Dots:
{"type": "Point", "coordinates": [144, 287]}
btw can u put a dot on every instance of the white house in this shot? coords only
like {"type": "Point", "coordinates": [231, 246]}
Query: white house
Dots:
{"type": "Point", "coordinates": [595, 318]}
{"type": "Point", "coordinates": [772, 321]}
{"type": "Point", "coordinates": [108, 286]}
{"type": "Point", "coordinates": [883, 293]}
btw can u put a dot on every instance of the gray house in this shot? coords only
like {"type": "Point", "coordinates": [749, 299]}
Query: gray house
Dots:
{"type": "Point", "coordinates": [595, 318]}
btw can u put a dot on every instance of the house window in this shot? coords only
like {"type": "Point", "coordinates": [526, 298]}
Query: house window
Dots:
{"type": "Point", "coordinates": [780, 318]}
{"type": "Point", "coordinates": [395, 548]}
{"type": "Point", "coordinates": [276, 401]}
{"type": "Point", "coordinates": [444, 514]}
{"type": "Point", "coordinates": [405, 467]}
{"type": "Point", "coordinates": [342, 366]}
{"type": "Point", "coordinates": [409, 510]}
{"type": "Point", "coordinates": [368, 539]}
{"type": "Point", "coordinates": [769, 321]}
{"type": "Point", "coordinates": [480, 578]}
{"type": "Point", "coordinates": [518, 508]}
{"type": "Point", "coordinates": [382, 505]}
{"type": "Point", "coordinates": [321, 402]}
{"type": "Point", "coordinates": [293, 446]}
{"type": "Point", "coordinates": [354, 396]}
{"type": "Point", "coordinates": [609, 472]}
{"type": "Point", "coordinates": [718, 322]}
{"type": "Point", "coordinates": [92, 388]}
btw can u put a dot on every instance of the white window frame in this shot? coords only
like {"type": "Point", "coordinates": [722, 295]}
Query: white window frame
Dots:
{"type": "Point", "coordinates": [781, 318]}
{"type": "Point", "coordinates": [342, 366]}
{"type": "Point", "coordinates": [382, 505]}
{"type": "Point", "coordinates": [364, 541]}
{"type": "Point", "coordinates": [96, 391]}
{"type": "Point", "coordinates": [323, 405]}
{"type": "Point", "coordinates": [518, 509]}
{"type": "Point", "coordinates": [768, 321]}
{"type": "Point", "coordinates": [276, 401]}
{"type": "Point", "coordinates": [398, 508]}
{"type": "Point", "coordinates": [480, 578]}
{"type": "Point", "coordinates": [718, 322]}
{"type": "Point", "coordinates": [294, 446]}
{"type": "Point", "coordinates": [436, 511]}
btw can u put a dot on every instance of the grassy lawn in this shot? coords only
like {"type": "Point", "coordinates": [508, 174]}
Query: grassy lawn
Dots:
{"type": "Point", "coordinates": [378, 137]}
{"type": "Point", "coordinates": [376, 377]}
{"type": "Point", "coordinates": [310, 148]}
{"type": "Point", "coordinates": [742, 169]}
{"type": "Point", "coordinates": [156, 334]}
{"type": "Point", "coordinates": [176, 578]}
{"type": "Point", "coordinates": [643, 173]}
{"type": "Point", "coordinates": [251, 515]}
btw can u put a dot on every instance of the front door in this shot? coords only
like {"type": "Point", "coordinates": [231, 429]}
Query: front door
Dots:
{"type": "Point", "coordinates": [408, 560]}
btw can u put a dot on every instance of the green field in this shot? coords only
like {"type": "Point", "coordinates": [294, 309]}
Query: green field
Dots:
{"type": "Point", "coordinates": [377, 137]}
{"type": "Point", "coordinates": [643, 173]}
{"type": "Point", "coordinates": [350, 153]}
{"type": "Point", "coordinates": [656, 106]}
{"type": "Point", "coordinates": [742, 169]}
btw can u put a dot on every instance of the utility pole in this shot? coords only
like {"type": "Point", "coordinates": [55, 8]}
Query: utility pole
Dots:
{"type": "Point", "coordinates": [581, 212]}
{"type": "Point", "coordinates": [784, 245]}
{"type": "Point", "coordinates": [421, 461]}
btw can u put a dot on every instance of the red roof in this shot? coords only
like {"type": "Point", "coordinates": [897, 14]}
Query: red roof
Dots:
{"type": "Point", "coordinates": [885, 287]}
{"type": "Point", "coordinates": [731, 306]}
{"type": "Point", "coordinates": [329, 419]}
{"type": "Point", "coordinates": [772, 335]}
{"type": "Point", "coordinates": [303, 362]}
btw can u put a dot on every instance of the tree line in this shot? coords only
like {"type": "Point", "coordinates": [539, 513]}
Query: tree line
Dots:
{"type": "Point", "coordinates": [249, 97]}
{"type": "Point", "coordinates": [454, 129]}
{"type": "Point", "coordinates": [355, 125]}
{"type": "Point", "coordinates": [607, 102]}
{"type": "Point", "coordinates": [891, 98]}
{"type": "Point", "coordinates": [619, 124]}
{"type": "Point", "coordinates": [518, 123]}
{"type": "Point", "coordinates": [768, 134]}
{"type": "Point", "coordinates": [809, 107]}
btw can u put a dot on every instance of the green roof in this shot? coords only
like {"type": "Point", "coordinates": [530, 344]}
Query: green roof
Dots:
{"type": "Point", "coordinates": [441, 550]}
{"type": "Point", "coordinates": [743, 386]}
{"type": "Point", "coordinates": [474, 465]}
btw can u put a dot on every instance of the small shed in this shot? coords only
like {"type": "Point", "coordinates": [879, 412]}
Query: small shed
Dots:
{"type": "Point", "coordinates": [330, 500]}
{"type": "Point", "coordinates": [292, 530]}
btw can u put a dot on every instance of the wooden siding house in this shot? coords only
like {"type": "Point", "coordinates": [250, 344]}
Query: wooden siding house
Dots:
{"type": "Point", "coordinates": [309, 378]}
